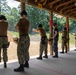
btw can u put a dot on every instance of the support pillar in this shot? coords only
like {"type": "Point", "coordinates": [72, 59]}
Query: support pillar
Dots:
{"type": "Point", "coordinates": [51, 31]}
{"type": "Point", "coordinates": [67, 26]}
{"type": "Point", "coordinates": [22, 5]}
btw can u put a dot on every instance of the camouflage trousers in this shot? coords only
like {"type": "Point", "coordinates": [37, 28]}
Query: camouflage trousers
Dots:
{"type": "Point", "coordinates": [3, 43]}
{"type": "Point", "coordinates": [43, 46]}
{"type": "Point", "coordinates": [64, 45]}
{"type": "Point", "coordinates": [23, 49]}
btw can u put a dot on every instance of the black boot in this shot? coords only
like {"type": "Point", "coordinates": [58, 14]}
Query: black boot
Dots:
{"type": "Point", "coordinates": [66, 51]}
{"type": "Point", "coordinates": [62, 52]}
{"type": "Point", "coordinates": [55, 56]}
{"type": "Point", "coordinates": [19, 69]}
{"type": "Point", "coordinates": [26, 64]}
{"type": "Point", "coordinates": [45, 56]}
{"type": "Point", "coordinates": [5, 65]}
{"type": "Point", "coordinates": [40, 58]}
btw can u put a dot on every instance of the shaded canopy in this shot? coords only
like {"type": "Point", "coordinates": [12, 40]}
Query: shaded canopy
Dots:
{"type": "Point", "coordinates": [65, 8]}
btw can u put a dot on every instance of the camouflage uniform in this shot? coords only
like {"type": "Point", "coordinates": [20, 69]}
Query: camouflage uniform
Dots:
{"type": "Point", "coordinates": [43, 45]}
{"type": "Point", "coordinates": [23, 49]}
{"type": "Point", "coordinates": [3, 44]}
{"type": "Point", "coordinates": [64, 40]}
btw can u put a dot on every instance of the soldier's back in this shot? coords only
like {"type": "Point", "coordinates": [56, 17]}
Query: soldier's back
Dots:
{"type": "Point", "coordinates": [3, 28]}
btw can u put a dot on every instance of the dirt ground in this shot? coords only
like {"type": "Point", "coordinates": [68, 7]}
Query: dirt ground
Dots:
{"type": "Point", "coordinates": [33, 50]}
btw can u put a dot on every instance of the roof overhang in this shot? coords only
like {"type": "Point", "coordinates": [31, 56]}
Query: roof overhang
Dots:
{"type": "Point", "coordinates": [65, 8]}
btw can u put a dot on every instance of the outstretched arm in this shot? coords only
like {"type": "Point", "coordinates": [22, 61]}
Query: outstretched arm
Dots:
{"type": "Point", "coordinates": [35, 30]}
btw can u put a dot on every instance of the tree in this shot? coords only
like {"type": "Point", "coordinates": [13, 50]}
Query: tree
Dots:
{"type": "Point", "coordinates": [36, 16]}
{"type": "Point", "coordinates": [4, 8]}
{"type": "Point", "coordinates": [13, 18]}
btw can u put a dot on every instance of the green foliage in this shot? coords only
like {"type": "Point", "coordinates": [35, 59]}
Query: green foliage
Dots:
{"type": "Point", "coordinates": [13, 18]}
{"type": "Point", "coordinates": [72, 26]}
{"type": "Point", "coordinates": [4, 8]}
{"type": "Point", "coordinates": [36, 16]}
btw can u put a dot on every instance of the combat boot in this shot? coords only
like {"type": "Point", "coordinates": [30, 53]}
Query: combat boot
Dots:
{"type": "Point", "coordinates": [45, 56]}
{"type": "Point", "coordinates": [20, 68]}
{"type": "Point", "coordinates": [26, 64]}
{"type": "Point", "coordinates": [62, 52]}
{"type": "Point", "coordinates": [66, 51]}
{"type": "Point", "coordinates": [5, 65]}
{"type": "Point", "coordinates": [40, 58]}
{"type": "Point", "coordinates": [55, 56]}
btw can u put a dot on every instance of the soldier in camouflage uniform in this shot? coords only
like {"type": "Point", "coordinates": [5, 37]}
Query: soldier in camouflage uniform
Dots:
{"type": "Point", "coordinates": [23, 42]}
{"type": "Point", "coordinates": [43, 42]}
{"type": "Point", "coordinates": [64, 40]}
{"type": "Point", "coordinates": [3, 39]}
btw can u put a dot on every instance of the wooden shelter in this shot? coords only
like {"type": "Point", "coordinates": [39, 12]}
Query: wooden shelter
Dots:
{"type": "Point", "coordinates": [66, 8]}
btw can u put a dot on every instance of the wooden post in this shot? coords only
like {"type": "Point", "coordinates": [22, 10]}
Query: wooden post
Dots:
{"type": "Point", "coordinates": [22, 5]}
{"type": "Point", "coordinates": [67, 26]}
{"type": "Point", "coordinates": [51, 31]}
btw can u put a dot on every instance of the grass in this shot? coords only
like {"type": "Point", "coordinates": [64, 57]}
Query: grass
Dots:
{"type": "Point", "coordinates": [72, 37]}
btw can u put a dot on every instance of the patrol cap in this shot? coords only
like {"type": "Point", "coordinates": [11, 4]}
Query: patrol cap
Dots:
{"type": "Point", "coordinates": [2, 17]}
{"type": "Point", "coordinates": [23, 13]}
{"type": "Point", "coordinates": [40, 25]}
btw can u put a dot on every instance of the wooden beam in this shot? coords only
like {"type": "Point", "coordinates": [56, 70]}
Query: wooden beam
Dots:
{"type": "Point", "coordinates": [22, 5]}
{"type": "Point", "coordinates": [42, 0]}
{"type": "Point", "coordinates": [45, 2]}
{"type": "Point", "coordinates": [70, 10]}
{"type": "Point", "coordinates": [35, 0]}
{"type": "Point", "coordinates": [52, 3]}
{"type": "Point", "coordinates": [72, 13]}
{"type": "Point", "coordinates": [68, 7]}
{"type": "Point", "coordinates": [63, 4]}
